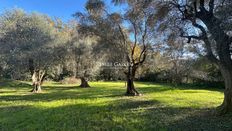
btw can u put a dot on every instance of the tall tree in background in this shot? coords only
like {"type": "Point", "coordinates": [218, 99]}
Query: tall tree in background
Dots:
{"type": "Point", "coordinates": [79, 55]}
{"type": "Point", "coordinates": [176, 52]}
{"type": "Point", "coordinates": [84, 57]}
{"type": "Point", "coordinates": [134, 36]}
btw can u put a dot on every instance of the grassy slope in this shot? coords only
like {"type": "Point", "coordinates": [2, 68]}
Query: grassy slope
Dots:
{"type": "Point", "coordinates": [103, 107]}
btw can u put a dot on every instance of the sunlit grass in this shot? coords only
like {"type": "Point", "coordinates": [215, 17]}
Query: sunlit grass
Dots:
{"type": "Point", "coordinates": [104, 107]}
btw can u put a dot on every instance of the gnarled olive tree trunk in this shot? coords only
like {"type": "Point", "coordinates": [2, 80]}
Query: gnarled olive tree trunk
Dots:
{"type": "Point", "coordinates": [37, 77]}
{"type": "Point", "coordinates": [226, 106]}
{"type": "Point", "coordinates": [224, 61]}
{"type": "Point", "coordinates": [37, 80]}
{"type": "Point", "coordinates": [130, 75]}
{"type": "Point", "coordinates": [221, 55]}
{"type": "Point", "coordinates": [84, 83]}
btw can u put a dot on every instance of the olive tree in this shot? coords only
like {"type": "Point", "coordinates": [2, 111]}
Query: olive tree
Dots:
{"type": "Point", "coordinates": [130, 31]}
{"type": "Point", "coordinates": [81, 51]}
{"type": "Point", "coordinates": [27, 42]}
{"type": "Point", "coordinates": [211, 20]}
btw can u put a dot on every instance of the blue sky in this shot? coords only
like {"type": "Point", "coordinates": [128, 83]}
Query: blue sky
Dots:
{"type": "Point", "coordinates": [59, 8]}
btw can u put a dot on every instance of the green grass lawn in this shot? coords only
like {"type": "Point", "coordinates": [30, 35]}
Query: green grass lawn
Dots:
{"type": "Point", "coordinates": [104, 107]}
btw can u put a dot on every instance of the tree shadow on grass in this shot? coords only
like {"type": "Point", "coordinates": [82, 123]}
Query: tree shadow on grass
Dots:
{"type": "Point", "coordinates": [195, 87]}
{"type": "Point", "coordinates": [115, 115]}
{"type": "Point", "coordinates": [52, 93]}
{"type": "Point", "coordinates": [13, 84]}
{"type": "Point", "coordinates": [184, 118]}
{"type": "Point", "coordinates": [156, 88]}
{"type": "Point", "coordinates": [202, 119]}
{"type": "Point", "coordinates": [124, 114]}
{"type": "Point", "coordinates": [151, 86]}
{"type": "Point", "coordinates": [62, 93]}
{"type": "Point", "coordinates": [120, 113]}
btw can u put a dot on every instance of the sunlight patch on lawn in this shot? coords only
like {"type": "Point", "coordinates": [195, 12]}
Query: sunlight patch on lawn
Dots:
{"type": "Point", "coordinates": [105, 107]}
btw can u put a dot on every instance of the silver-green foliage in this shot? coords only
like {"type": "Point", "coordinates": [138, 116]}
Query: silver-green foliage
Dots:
{"type": "Point", "coordinates": [26, 36]}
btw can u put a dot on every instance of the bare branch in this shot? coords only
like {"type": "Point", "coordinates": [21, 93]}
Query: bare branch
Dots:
{"type": "Point", "coordinates": [202, 3]}
{"type": "Point", "coordinates": [144, 51]}
{"type": "Point", "coordinates": [135, 40]}
{"type": "Point", "coordinates": [145, 31]}
{"type": "Point", "coordinates": [142, 54]}
{"type": "Point", "coordinates": [211, 6]}
{"type": "Point", "coordinates": [122, 34]}
{"type": "Point", "coordinates": [210, 54]}
{"type": "Point", "coordinates": [204, 33]}
{"type": "Point", "coordinates": [192, 37]}
{"type": "Point", "coordinates": [204, 38]}
{"type": "Point", "coordinates": [195, 6]}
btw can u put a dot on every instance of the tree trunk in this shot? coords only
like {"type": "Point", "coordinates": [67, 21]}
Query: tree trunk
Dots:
{"type": "Point", "coordinates": [84, 83]}
{"type": "Point", "coordinates": [37, 80]}
{"type": "Point", "coordinates": [131, 91]}
{"type": "Point", "coordinates": [227, 102]}
{"type": "Point", "coordinates": [37, 88]}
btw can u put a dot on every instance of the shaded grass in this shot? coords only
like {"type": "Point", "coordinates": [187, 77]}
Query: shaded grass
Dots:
{"type": "Point", "coordinates": [104, 107]}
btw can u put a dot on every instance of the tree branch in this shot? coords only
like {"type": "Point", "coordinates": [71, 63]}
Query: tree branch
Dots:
{"type": "Point", "coordinates": [135, 40]}
{"type": "Point", "coordinates": [209, 51]}
{"type": "Point", "coordinates": [230, 39]}
{"type": "Point", "coordinates": [195, 6]}
{"type": "Point", "coordinates": [192, 17]}
{"type": "Point", "coordinates": [192, 37]}
{"type": "Point", "coordinates": [204, 33]}
{"type": "Point", "coordinates": [143, 52]}
{"type": "Point", "coordinates": [211, 6]}
{"type": "Point", "coordinates": [202, 4]}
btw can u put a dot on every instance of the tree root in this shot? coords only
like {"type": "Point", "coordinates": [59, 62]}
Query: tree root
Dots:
{"type": "Point", "coordinates": [222, 110]}
{"type": "Point", "coordinates": [132, 94]}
